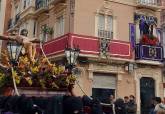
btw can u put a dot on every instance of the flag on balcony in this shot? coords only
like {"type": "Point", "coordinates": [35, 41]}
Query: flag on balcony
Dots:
{"type": "Point", "coordinates": [132, 34]}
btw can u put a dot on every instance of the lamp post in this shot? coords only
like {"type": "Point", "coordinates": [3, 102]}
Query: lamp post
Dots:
{"type": "Point", "coordinates": [71, 56]}
{"type": "Point", "coordinates": [14, 49]}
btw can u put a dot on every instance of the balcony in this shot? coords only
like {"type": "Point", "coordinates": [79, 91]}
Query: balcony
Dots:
{"type": "Point", "coordinates": [117, 49]}
{"type": "Point", "coordinates": [150, 4]}
{"type": "Point", "coordinates": [41, 6]}
{"type": "Point", "coordinates": [147, 52]}
{"type": "Point", "coordinates": [27, 12]}
{"type": "Point", "coordinates": [54, 2]}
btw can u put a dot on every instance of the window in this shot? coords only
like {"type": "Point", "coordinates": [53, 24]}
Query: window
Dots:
{"type": "Point", "coordinates": [163, 43]}
{"type": "Point", "coordinates": [59, 27]}
{"type": "Point", "coordinates": [102, 94]}
{"type": "Point", "coordinates": [26, 3]}
{"type": "Point", "coordinates": [43, 35]}
{"type": "Point", "coordinates": [105, 26]}
{"type": "Point", "coordinates": [104, 85]}
{"type": "Point", "coordinates": [34, 29]}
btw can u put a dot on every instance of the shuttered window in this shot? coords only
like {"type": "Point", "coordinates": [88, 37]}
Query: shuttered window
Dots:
{"type": "Point", "coordinates": [105, 26]}
{"type": "Point", "coordinates": [101, 80]}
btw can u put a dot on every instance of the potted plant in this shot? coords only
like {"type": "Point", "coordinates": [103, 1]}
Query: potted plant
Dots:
{"type": "Point", "coordinates": [47, 30]}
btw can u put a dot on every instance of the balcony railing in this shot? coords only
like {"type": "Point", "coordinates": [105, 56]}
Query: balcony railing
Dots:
{"type": "Point", "coordinates": [105, 34]}
{"type": "Point", "coordinates": [153, 4]}
{"type": "Point", "coordinates": [88, 46]}
{"type": "Point", "coordinates": [147, 52]}
{"type": "Point", "coordinates": [53, 2]}
{"type": "Point", "coordinates": [41, 4]}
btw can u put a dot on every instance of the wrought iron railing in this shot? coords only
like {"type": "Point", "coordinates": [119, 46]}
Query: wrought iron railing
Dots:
{"type": "Point", "coordinates": [41, 4]}
{"type": "Point", "coordinates": [150, 2]}
{"type": "Point", "coordinates": [105, 34]}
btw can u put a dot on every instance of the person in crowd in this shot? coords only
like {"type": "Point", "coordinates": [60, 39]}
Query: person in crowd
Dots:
{"type": "Point", "coordinates": [111, 99]}
{"type": "Point", "coordinates": [152, 107]}
{"type": "Point", "coordinates": [131, 108]}
{"type": "Point", "coordinates": [73, 104]}
{"type": "Point", "coordinates": [119, 106]}
{"type": "Point", "coordinates": [160, 109]}
{"type": "Point", "coordinates": [158, 103]}
{"type": "Point", "coordinates": [126, 101]}
{"type": "Point", "coordinates": [109, 109]}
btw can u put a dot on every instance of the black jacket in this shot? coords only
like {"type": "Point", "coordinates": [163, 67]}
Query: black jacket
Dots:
{"type": "Point", "coordinates": [131, 108]}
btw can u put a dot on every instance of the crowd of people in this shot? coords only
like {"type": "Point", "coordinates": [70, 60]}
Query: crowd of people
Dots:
{"type": "Point", "coordinates": [157, 106]}
{"type": "Point", "coordinates": [129, 106]}
{"type": "Point", "coordinates": [126, 105]}
{"type": "Point", "coordinates": [120, 106]}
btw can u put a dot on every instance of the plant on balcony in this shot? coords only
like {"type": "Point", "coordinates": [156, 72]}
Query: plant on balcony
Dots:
{"type": "Point", "coordinates": [149, 40]}
{"type": "Point", "coordinates": [37, 73]}
{"type": "Point", "coordinates": [47, 30]}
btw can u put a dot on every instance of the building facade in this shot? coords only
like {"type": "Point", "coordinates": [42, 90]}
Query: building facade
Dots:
{"type": "Point", "coordinates": [116, 56]}
{"type": "Point", "coordinates": [4, 16]}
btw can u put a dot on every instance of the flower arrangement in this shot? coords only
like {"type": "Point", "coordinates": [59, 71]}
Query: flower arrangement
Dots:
{"type": "Point", "coordinates": [37, 73]}
{"type": "Point", "coordinates": [149, 40]}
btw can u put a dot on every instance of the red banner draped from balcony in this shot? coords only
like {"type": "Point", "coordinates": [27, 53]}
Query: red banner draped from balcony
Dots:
{"type": "Point", "coordinates": [88, 45]}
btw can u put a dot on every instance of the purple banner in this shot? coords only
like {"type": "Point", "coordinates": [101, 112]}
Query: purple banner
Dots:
{"type": "Point", "coordinates": [159, 34]}
{"type": "Point", "coordinates": [132, 35]}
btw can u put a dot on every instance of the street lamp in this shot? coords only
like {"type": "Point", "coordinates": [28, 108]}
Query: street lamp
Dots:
{"type": "Point", "coordinates": [14, 49]}
{"type": "Point", "coordinates": [71, 56]}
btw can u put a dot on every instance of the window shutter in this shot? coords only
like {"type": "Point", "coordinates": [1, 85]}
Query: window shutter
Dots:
{"type": "Point", "coordinates": [101, 22]}
{"type": "Point", "coordinates": [101, 80]}
{"type": "Point", "coordinates": [109, 23]}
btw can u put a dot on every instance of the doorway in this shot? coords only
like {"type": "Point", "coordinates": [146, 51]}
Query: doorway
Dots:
{"type": "Point", "coordinates": [147, 92]}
